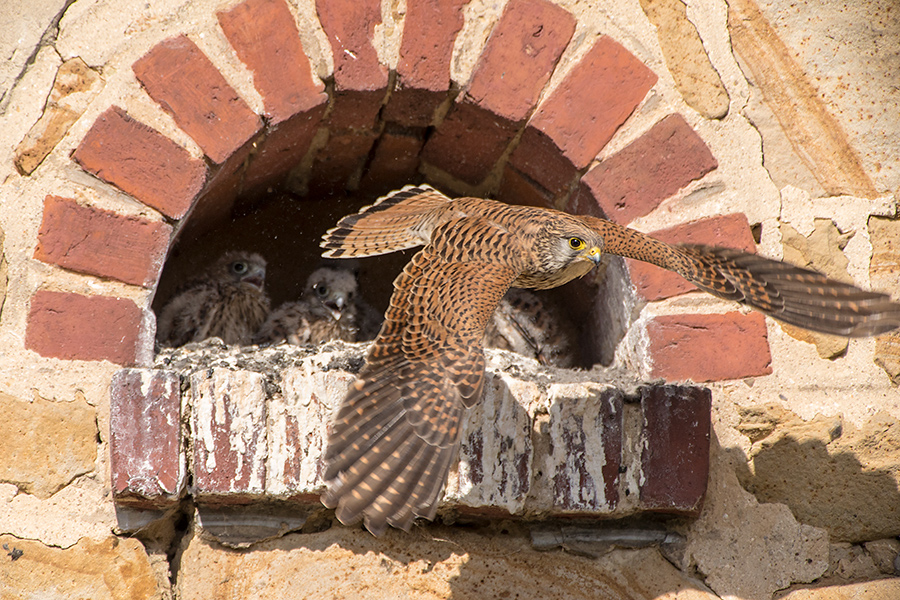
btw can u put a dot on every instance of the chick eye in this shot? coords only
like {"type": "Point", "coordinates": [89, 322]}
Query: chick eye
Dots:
{"type": "Point", "coordinates": [320, 290]}
{"type": "Point", "coordinates": [576, 243]}
{"type": "Point", "coordinates": [239, 267]}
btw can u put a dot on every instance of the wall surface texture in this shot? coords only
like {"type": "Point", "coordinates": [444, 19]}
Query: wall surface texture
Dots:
{"type": "Point", "coordinates": [139, 139]}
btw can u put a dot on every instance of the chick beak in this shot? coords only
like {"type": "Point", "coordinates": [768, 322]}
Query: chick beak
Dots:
{"type": "Point", "coordinates": [256, 278]}
{"type": "Point", "coordinates": [335, 307]}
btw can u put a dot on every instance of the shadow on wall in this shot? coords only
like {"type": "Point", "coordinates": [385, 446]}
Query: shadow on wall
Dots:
{"type": "Point", "coordinates": [848, 486]}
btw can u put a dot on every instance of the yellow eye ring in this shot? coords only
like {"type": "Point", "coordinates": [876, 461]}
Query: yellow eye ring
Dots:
{"type": "Point", "coordinates": [576, 243]}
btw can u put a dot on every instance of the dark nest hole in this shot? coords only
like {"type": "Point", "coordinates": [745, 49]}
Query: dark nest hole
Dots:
{"type": "Point", "coordinates": [284, 223]}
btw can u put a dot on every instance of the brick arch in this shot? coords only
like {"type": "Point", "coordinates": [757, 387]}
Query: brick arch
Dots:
{"type": "Point", "coordinates": [497, 136]}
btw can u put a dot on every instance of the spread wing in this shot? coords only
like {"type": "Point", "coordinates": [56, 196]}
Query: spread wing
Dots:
{"type": "Point", "coordinates": [400, 220]}
{"type": "Point", "coordinates": [792, 294]}
{"type": "Point", "coordinates": [781, 290]}
{"type": "Point", "coordinates": [397, 431]}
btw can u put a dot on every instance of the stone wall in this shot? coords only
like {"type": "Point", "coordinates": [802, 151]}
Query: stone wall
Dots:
{"type": "Point", "coordinates": [141, 139]}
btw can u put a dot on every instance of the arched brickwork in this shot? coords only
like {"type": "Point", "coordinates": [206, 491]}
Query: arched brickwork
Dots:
{"type": "Point", "coordinates": [501, 135]}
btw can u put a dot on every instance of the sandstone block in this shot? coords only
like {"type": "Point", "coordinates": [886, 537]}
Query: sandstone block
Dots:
{"type": "Point", "coordinates": [443, 562]}
{"type": "Point", "coordinates": [835, 470]}
{"type": "Point", "coordinates": [111, 568]}
{"type": "Point", "coordinates": [695, 77]}
{"type": "Point", "coordinates": [44, 444]}
{"type": "Point", "coordinates": [75, 86]}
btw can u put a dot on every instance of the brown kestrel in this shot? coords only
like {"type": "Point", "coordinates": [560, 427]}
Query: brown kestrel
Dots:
{"type": "Point", "coordinates": [396, 432]}
{"type": "Point", "coordinates": [326, 311]}
{"type": "Point", "coordinates": [228, 301]}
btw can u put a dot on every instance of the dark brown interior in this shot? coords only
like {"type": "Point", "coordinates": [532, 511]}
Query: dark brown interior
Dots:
{"type": "Point", "coordinates": [285, 228]}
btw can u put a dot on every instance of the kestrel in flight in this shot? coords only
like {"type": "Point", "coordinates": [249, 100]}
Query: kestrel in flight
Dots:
{"type": "Point", "coordinates": [229, 301]}
{"type": "Point", "coordinates": [396, 432]}
{"type": "Point", "coordinates": [327, 311]}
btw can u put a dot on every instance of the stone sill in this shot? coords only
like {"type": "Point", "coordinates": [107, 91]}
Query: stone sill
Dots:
{"type": "Point", "coordinates": [249, 426]}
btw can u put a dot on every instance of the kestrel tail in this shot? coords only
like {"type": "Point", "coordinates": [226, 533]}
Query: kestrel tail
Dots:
{"type": "Point", "coordinates": [228, 301]}
{"type": "Point", "coordinates": [397, 431]}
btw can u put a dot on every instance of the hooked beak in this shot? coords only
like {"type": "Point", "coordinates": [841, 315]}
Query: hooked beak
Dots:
{"type": "Point", "coordinates": [335, 307]}
{"type": "Point", "coordinates": [256, 280]}
{"type": "Point", "coordinates": [595, 254]}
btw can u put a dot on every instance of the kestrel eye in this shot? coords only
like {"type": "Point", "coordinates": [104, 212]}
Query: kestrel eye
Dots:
{"type": "Point", "coordinates": [320, 290]}
{"type": "Point", "coordinates": [576, 243]}
{"type": "Point", "coordinates": [239, 268]}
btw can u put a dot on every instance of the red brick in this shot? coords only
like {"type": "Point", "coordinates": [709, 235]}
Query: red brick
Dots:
{"type": "Point", "coordinates": [635, 181]}
{"type": "Point", "coordinates": [729, 231]}
{"type": "Point", "coordinates": [513, 69]}
{"type": "Point", "coordinates": [228, 421]}
{"type": "Point", "coordinates": [350, 26]}
{"type": "Point", "coordinates": [141, 162]}
{"type": "Point", "coordinates": [216, 205]}
{"type": "Point", "coordinates": [541, 161]}
{"type": "Point", "coordinates": [575, 426]}
{"type": "Point", "coordinates": [709, 347]}
{"type": "Point", "coordinates": [519, 57]}
{"type": "Point", "coordinates": [394, 163]}
{"type": "Point", "coordinates": [410, 107]}
{"type": "Point", "coordinates": [469, 143]}
{"type": "Point", "coordinates": [516, 188]}
{"type": "Point", "coordinates": [101, 242]}
{"type": "Point", "coordinates": [355, 111]}
{"type": "Point", "coordinates": [284, 147]}
{"type": "Point", "coordinates": [146, 463]}
{"type": "Point", "coordinates": [582, 202]}
{"type": "Point", "coordinates": [423, 71]}
{"type": "Point", "coordinates": [74, 327]}
{"type": "Point", "coordinates": [342, 157]}
{"type": "Point", "coordinates": [581, 115]}
{"type": "Point", "coordinates": [675, 456]}
{"type": "Point", "coordinates": [181, 79]}
{"type": "Point", "coordinates": [265, 37]}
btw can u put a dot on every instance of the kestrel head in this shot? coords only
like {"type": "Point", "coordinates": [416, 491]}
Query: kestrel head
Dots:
{"type": "Point", "coordinates": [333, 288]}
{"type": "Point", "coordinates": [567, 249]}
{"type": "Point", "coordinates": [245, 268]}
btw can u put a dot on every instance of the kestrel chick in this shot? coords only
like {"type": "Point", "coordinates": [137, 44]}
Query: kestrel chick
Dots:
{"type": "Point", "coordinates": [525, 324]}
{"type": "Point", "coordinates": [228, 302]}
{"type": "Point", "coordinates": [326, 311]}
{"type": "Point", "coordinates": [397, 431]}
